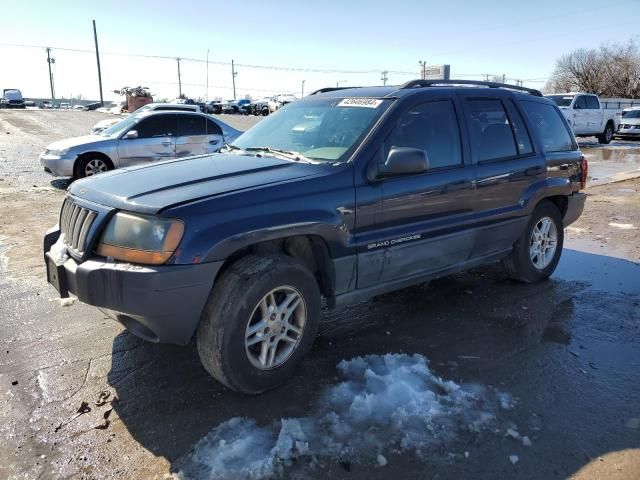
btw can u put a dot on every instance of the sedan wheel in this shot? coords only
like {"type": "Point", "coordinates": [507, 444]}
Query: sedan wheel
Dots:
{"type": "Point", "coordinates": [95, 166]}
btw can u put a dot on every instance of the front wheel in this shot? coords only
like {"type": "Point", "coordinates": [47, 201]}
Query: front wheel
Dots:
{"type": "Point", "coordinates": [260, 320]}
{"type": "Point", "coordinates": [537, 252]}
{"type": "Point", "coordinates": [606, 136]}
{"type": "Point", "coordinates": [91, 165]}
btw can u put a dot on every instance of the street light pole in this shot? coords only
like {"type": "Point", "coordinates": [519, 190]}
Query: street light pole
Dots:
{"type": "Point", "coordinates": [302, 93]}
{"type": "Point", "coordinates": [207, 93]}
{"type": "Point", "coordinates": [423, 65]}
{"type": "Point", "coordinates": [339, 82]}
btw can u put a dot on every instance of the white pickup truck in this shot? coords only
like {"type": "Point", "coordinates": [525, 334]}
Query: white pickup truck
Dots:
{"type": "Point", "coordinates": [586, 116]}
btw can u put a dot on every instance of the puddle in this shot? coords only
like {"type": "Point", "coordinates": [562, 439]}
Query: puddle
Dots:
{"type": "Point", "coordinates": [601, 272]}
{"type": "Point", "coordinates": [612, 163]}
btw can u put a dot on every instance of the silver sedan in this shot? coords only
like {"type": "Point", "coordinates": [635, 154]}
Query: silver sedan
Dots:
{"type": "Point", "coordinates": [138, 139]}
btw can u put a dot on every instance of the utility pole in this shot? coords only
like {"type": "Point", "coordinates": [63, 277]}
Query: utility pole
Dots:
{"type": "Point", "coordinates": [339, 82]}
{"type": "Point", "coordinates": [233, 77]}
{"type": "Point", "coordinates": [95, 38]}
{"type": "Point", "coordinates": [504, 78]}
{"type": "Point", "coordinates": [423, 66]}
{"type": "Point", "coordinates": [179, 79]}
{"type": "Point", "coordinates": [50, 61]}
{"type": "Point", "coordinates": [384, 77]}
{"type": "Point", "coordinates": [207, 93]}
{"type": "Point", "coordinates": [302, 93]}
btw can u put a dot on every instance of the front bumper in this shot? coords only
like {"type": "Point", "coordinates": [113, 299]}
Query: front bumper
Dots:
{"type": "Point", "coordinates": [575, 206]}
{"type": "Point", "coordinates": [160, 304]}
{"type": "Point", "coordinates": [58, 166]}
{"type": "Point", "coordinates": [628, 132]}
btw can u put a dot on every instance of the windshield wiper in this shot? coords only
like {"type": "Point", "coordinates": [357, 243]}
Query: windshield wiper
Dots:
{"type": "Point", "coordinates": [228, 147]}
{"type": "Point", "coordinates": [288, 154]}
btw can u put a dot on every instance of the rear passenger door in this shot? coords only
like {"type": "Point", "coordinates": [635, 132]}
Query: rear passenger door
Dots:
{"type": "Point", "coordinates": [425, 222]}
{"type": "Point", "coordinates": [192, 135]}
{"type": "Point", "coordinates": [506, 166]}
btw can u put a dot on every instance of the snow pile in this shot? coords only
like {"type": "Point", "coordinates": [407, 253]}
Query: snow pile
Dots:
{"type": "Point", "coordinates": [386, 403]}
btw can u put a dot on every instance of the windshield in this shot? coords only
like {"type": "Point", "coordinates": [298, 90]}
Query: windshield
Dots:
{"type": "Point", "coordinates": [561, 100]}
{"type": "Point", "coordinates": [120, 127]}
{"type": "Point", "coordinates": [319, 129]}
{"type": "Point", "coordinates": [631, 114]}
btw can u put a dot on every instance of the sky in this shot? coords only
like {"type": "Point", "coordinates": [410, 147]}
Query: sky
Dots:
{"type": "Point", "coordinates": [321, 44]}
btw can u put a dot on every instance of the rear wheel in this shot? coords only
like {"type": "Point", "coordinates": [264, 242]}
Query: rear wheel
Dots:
{"type": "Point", "coordinates": [260, 320]}
{"type": "Point", "coordinates": [606, 136]}
{"type": "Point", "coordinates": [537, 252]}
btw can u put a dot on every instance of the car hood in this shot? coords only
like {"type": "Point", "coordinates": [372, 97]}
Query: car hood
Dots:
{"type": "Point", "coordinates": [630, 121]}
{"type": "Point", "coordinates": [77, 142]}
{"type": "Point", "coordinates": [152, 188]}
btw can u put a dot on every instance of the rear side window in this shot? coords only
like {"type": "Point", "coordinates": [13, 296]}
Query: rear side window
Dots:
{"type": "Point", "coordinates": [581, 102]}
{"type": "Point", "coordinates": [520, 131]}
{"type": "Point", "coordinates": [157, 126]}
{"type": "Point", "coordinates": [189, 125]}
{"type": "Point", "coordinates": [213, 128]}
{"type": "Point", "coordinates": [490, 130]}
{"type": "Point", "coordinates": [432, 127]}
{"type": "Point", "coordinates": [548, 124]}
{"type": "Point", "coordinates": [592, 102]}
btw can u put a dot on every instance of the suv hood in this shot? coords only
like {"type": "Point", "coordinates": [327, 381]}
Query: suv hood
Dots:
{"type": "Point", "coordinates": [152, 188]}
{"type": "Point", "coordinates": [76, 142]}
{"type": "Point", "coordinates": [630, 121]}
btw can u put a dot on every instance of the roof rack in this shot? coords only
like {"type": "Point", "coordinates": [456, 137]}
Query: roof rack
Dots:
{"type": "Point", "coordinates": [435, 83]}
{"type": "Point", "coordinates": [329, 89]}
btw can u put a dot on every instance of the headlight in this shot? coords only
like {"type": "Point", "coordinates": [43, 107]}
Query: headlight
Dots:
{"type": "Point", "coordinates": [57, 153]}
{"type": "Point", "coordinates": [140, 238]}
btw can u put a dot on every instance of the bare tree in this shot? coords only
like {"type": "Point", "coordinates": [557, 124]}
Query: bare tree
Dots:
{"type": "Point", "coordinates": [611, 71]}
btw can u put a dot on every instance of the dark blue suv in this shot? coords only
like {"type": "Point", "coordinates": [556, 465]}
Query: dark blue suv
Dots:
{"type": "Point", "coordinates": [344, 195]}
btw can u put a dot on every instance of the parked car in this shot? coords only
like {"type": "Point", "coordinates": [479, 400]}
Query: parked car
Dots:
{"type": "Point", "coordinates": [64, 106]}
{"type": "Point", "coordinates": [46, 104]}
{"type": "Point", "coordinates": [12, 98]}
{"type": "Point", "coordinates": [140, 138]}
{"type": "Point", "coordinates": [236, 106]}
{"type": "Point", "coordinates": [214, 107]}
{"type": "Point", "coordinates": [586, 115]}
{"type": "Point", "coordinates": [629, 124]}
{"type": "Point", "coordinates": [149, 107]}
{"type": "Point", "coordinates": [29, 103]}
{"type": "Point", "coordinates": [397, 186]}
{"type": "Point", "coordinates": [280, 101]}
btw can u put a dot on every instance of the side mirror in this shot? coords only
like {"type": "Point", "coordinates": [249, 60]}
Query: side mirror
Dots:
{"type": "Point", "coordinates": [131, 134]}
{"type": "Point", "coordinates": [404, 161]}
{"type": "Point", "coordinates": [576, 106]}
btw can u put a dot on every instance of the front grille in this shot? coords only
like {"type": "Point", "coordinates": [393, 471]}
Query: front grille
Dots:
{"type": "Point", "coordinates": [75, 223]}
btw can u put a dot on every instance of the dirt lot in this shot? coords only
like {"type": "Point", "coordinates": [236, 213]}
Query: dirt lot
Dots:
{"type": "Point", "coordinates": [557, 362]}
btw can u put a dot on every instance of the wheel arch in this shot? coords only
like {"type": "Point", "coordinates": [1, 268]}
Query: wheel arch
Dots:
{"type": "Point", "coordinates": [310, 250]}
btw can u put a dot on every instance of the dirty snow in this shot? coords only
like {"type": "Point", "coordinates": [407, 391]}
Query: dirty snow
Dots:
{"type": "Point", "coordinates": [58, 251]}
{"type": "Point", "coordinates": [623, 226]}
{"type": "Point", "coordinates": [389, 403]}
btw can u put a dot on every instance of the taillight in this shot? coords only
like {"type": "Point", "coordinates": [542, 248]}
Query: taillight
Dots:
{"type": "Point", "coordinates": [584, 171]}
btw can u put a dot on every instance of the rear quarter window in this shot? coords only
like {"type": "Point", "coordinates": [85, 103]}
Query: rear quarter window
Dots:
{"type": "Point", "coordinates": [549, 126]}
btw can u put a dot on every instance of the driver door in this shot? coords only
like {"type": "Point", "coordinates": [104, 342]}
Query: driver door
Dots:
{"type": "Point", "coordinates": [580, 115]}
{"type": "Point", "coordinates": [156, 140]}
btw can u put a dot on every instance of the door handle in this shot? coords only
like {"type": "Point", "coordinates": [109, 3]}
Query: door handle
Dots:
{"type": "Point", "coordinates": [213, 142]}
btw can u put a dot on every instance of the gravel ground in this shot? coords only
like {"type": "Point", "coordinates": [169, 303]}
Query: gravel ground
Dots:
{"type": "Point", "coordinates": [567, 351]}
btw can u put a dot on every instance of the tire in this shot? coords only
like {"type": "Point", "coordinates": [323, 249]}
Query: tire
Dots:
{"type": "Point", "coordinates": [606, 136]}
{"type": "Point", "coordinates": [238, 303]}
{"type": "Point", "coordinates": [521, 264]}
{"type": "Point", "coordinates": [90, 165]}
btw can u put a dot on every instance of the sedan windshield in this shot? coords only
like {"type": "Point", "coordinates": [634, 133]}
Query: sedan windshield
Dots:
{"type": "Point", "coordinates": [631, 114]}
{"type": "Point", "coordinates": [324, 129]}
{"type": "Point", "coordinates": [561, 100]}
{"type": "Point", "coordinates": [120, 127]}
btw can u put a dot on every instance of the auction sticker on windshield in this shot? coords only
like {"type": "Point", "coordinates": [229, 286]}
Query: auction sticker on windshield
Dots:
{"type": "Point", "coordinates": [360, 102]}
